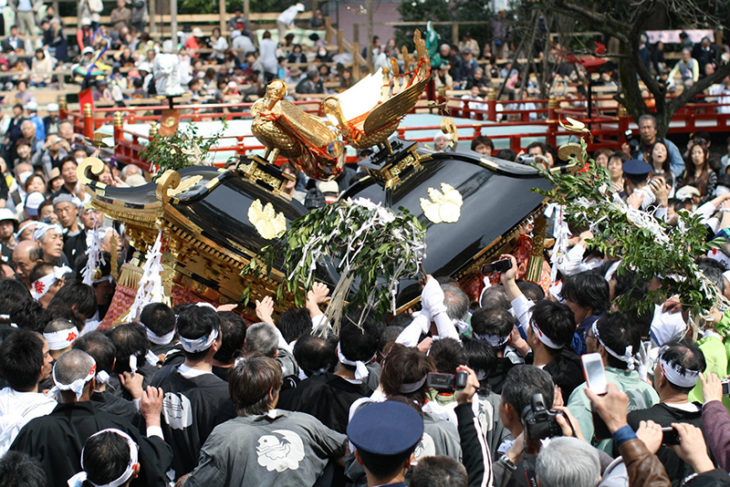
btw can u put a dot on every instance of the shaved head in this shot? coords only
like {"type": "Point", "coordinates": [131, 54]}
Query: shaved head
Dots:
{"type": "Point", "coordinates": [73, 365]}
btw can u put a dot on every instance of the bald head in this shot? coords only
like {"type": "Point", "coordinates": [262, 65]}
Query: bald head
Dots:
{"type": "Point", "coordinates": [73, 365]}
{"type": "Point", "coordinates": [28, 129]}
{"type": "Point", "coordinates": [25, 256]}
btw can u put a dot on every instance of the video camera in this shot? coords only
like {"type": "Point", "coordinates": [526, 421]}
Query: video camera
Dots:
{"type": "Point", "coordinates": [539, 421]}
{"type": "Point", "coordinates": [447, 382]}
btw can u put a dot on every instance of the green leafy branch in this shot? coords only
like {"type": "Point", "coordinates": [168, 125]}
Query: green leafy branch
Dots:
{"type": "Point", "coordinates": [182, 149]}
{"type": "Point", "coordinates": [370, 246]}
{"type": "Point", "coordinates": [646, 245]}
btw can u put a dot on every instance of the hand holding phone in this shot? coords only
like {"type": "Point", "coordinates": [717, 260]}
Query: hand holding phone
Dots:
{"type": "Point", "coordinates": [594, 373]}
{"type": "Point", "coordinates": [497, 266]}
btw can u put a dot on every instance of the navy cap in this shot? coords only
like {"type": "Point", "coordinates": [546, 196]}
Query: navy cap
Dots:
{"type": "Point", "coordinates": [635, 167]}
{"type": "Point", "coordinates": [385, 428]}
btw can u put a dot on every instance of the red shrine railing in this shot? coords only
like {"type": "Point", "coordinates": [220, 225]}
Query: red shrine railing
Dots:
{"type": "Point", "coordinates": [529, 120]}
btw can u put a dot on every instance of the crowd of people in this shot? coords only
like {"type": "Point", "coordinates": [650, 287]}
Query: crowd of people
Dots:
{"type": "Point", "coordinates": [478, 392]}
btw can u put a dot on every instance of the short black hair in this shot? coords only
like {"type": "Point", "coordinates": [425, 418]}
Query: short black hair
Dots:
{"type": "Point", "coordinates": [76, 293]}
{"type": "Point", "coordinates": [18, 468]}
{"type": "Point", "coordinates": [555, 320]}
{"type": "Point", "coordinates": [31, 316]}
{"type": "Point", "coordinates": [507, 154]}
{"type": "Point", "coordinates": [495, 321]}
{"type": "Point", "coordinates": [447, 354]}
{"type": "Point", "coordinates": [314, 354]}
{"type": "Point", "coordinates": [158, 317]}
{"type": "Point", "coordinates": [687, 356]}
{"type": "Point", "coordinates": [100, 347]}
{"type": "Point", "coordinates": [129, 339]}
{"type": "Point", "coordinates": [359, 342]}
{"type": "Point", "coordinates": [481, 140]}
{"type": "Point", "coordinates": [106, 456]}
{"type": "Point", "coordinates": [293, 323]}
{"type": "Point", "coordinates": [536, 144]}
{"type": "Point", "coordinates": [21, 359]}
{"type": "Point", "coordinates": [617, 332]}
{"type": "Point", "coordinates": [480, 356]}
{"type": "Point", "coordinates": [233, 333]}
{"type": "Point", "coordinates": [523, 382]}
{"type": "Point", "coordinates": [384, 466]}
{"type": "Point", "coordinates": [439, 471]}
{"type": "Point", "coordinates": [13, 296]}
{"type": "Point", "coordinates": [196, 322]}
{"type": "Point", "coordinates": [589, 289]}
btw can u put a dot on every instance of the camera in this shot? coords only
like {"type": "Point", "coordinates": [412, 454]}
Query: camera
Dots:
{"type": "Point", "coordinates": [447, 382]}
{"type": "Point", "coordinates": [725, 386]}
{"type": "Point", "coordinates": [633, 141]}
{"type": "Point", "coordinates": [497, 266]}
{"type": "Point", "coordinates": [670, 436]}
{"type": "Point", "coordinates": [539, 421]}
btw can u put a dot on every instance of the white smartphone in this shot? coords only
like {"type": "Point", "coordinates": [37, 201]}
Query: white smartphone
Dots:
{"type": "Point", "coordinates": [594, 373]}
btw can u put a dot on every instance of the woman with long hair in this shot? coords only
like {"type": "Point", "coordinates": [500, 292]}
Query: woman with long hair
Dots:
{"type": "Point", "coordinates": [697, 172]}
{"type": "Point", "coordinates": [659, 161]}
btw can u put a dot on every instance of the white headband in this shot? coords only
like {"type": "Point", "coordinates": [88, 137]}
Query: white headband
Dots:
{"type": "Point", "coordinates": [42, 228]}
{"type": "Point", "coordinates": [159, 340]}
{"type": "Point", "coordinates": [628, 355]}
{"type": "Point", "coordinates": [493, 340]}
{"type": "Point", "coordinates": [41, 286]}
{"type": "Point", "coordinates": [58, 340]}
{"type": "Point", "coordinates": [361, 371]}
{"type": "Point", "coordinates": [76, 386]}
{"type": "Point", "coordinates": [199, 344]}
{"type": "Point", "coordinates": [543, 337]}
{"type": "Point", "coordinates": [673, 373]}
{"type": "Point", "coordinates": [78, 479]}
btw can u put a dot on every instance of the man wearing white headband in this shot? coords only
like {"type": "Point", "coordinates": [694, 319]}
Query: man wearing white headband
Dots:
{"type": "Point", "coordinates": [55, 440]}
{"type": "Point", "coordinates": [615, 338]}
{"type": "Point", "coordinates": [328, 396]}
{"type": "Point", "coordinates": [159, 323]}
{"type": "Point", "coordinates": [46, 280]}
{"type": "Point", "coordinates": [549, 336]}
{"type": "Point", "coordinates": [676, 373]}
{"type": "Point", "coordinates": [196, 400]}
{"type": "Point", "coordinates": [60, 335]}
{"type": "Point", "coordinates": [109, 459]}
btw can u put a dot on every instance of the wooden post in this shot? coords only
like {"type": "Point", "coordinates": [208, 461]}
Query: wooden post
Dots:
{"type": "Point", "coordinates": [222, 13]}
{"type": "Point", "coordinates": [356, 32]}
{"type": "Point", "coordinates": [553, 104]}
{"type": "Point", "coordinates": [327, 30]}
{"type": "Point", "coordinates": [246, 11]}
{"type": "Point", "coordinates": [118, 133]}
{"type": "Point", "coordinates": [455, 36]}
{"type": "Point", "coordinates": [492, 105]}
{"type": "Point", "coordinates": [355, 62]}
{"type": "Point", "coordinates": [88, 122]}
{"type": "Point", "coordinates": [341, 41]}
{"type": "Point", "coordinates": [153, 15]}
{"type": "Point", "coordinates": [623, 120]}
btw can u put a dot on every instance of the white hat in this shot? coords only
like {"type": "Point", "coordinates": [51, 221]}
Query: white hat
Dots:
{"type": "Point", "coordinates": [88, 50]}
{"type": "Point", "coordinates": [135, 180]}
{"type": "Point", "coordinates": [144, 65]}
{"type": "Point", "coordinates": [31, 106]}
{"type": "Point", "coordinates": [7, 214]}
{"type": "Point", "coordinates": [686, 193]}
{"type": "Point", "coordinates": [197, 32]}
{"type": "Point", "coordinates": [52, 107]}
{"type": "Point", "coordinates": [300, 6]}
{"type": "Point", "coordinates": [32, 202]}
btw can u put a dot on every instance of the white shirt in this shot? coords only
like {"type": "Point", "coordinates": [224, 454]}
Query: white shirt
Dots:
{"type": "Point", "coordinates": [287, 16]}
{"type": "Point", "coordinates": [16, 409]}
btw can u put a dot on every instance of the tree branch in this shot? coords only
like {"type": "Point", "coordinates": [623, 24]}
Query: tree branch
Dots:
{"type": "Point", "coordinates": [602, 22]}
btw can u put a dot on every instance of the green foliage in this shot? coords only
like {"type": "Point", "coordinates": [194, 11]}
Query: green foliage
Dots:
{"type": "Point", "coordinates": [208, 7]}
{"type": "Point", "coordinates": [646, 245]}
{"type": "Point", "coordinates": [182, 149]}
{"type": "Point", "coordinates": [371, 247]}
